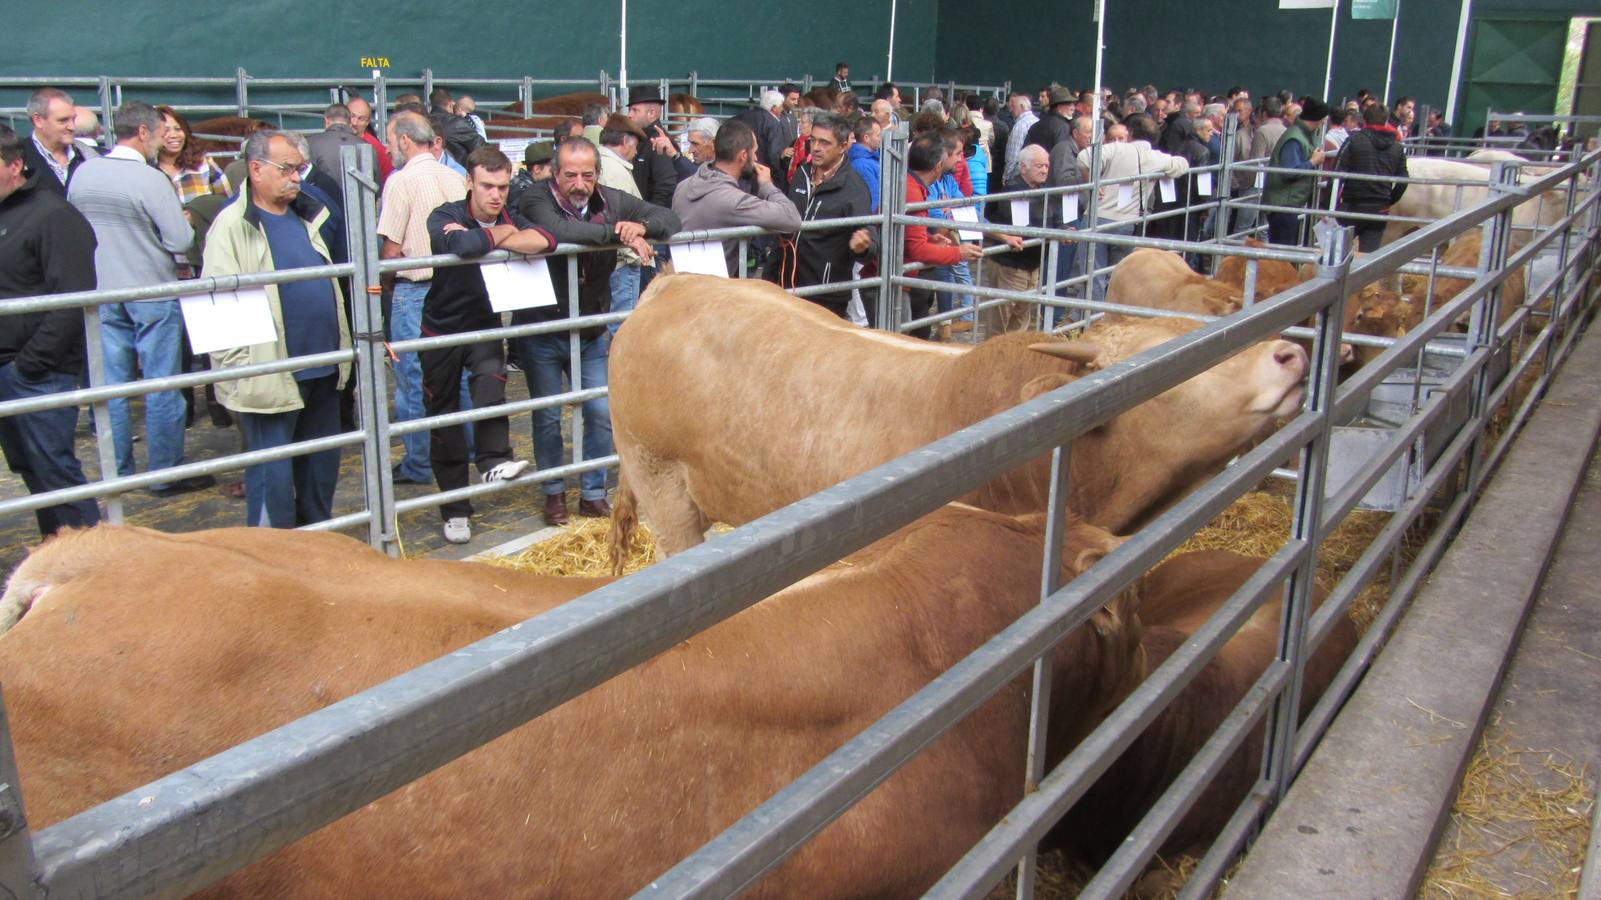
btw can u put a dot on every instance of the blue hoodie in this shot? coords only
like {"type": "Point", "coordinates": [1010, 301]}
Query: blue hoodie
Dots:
{"type": "Point", "coordinates": [865, 162]}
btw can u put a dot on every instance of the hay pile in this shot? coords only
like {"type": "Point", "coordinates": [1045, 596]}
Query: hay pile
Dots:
{"type": "Point", "coordinates": [580, 550]}
{"type": "Point", "coordinates": [1521, 826]}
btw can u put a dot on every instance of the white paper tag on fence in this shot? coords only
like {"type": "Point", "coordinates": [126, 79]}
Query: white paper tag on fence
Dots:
{"type": "Point", "coordinates": [514, 149]}
{"type": "Point", "coordinates": [1261, 180]}
{"type": "Point", "coordinates": [1203, 183]}
{"type": "Point", "coordinates": [967, 214]}
{"type": "Point", "coordinates": [699, 258]}
{"type": "Point", "coordinates": [228, 319]}
{"type": "Point", "coordinates": [1070, 208]}
{"type": "Point", "coordinates": [518, 284]}
{"type": "Point", "coordinates": [1019, 212]}
{"type": "Point", "coordinates": [1125, 195]}
{"type": "Point", "coordinates": [1168, 189]}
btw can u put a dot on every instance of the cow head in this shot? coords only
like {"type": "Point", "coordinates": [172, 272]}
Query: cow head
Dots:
{"type": "Point", "coordinates": [1138, 463]}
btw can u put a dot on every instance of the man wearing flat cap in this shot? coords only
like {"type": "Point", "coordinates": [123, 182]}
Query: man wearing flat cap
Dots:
{"type": "Point", "coordinates": [536, 168]}
{"type": "Point", "coordinates": [1294, 150]}
{"type": "Point", "coordinates": [654, 174]}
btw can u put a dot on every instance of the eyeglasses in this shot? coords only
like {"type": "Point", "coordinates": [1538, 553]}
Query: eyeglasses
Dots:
{"type": "Point", "coordinates": [286, 169]}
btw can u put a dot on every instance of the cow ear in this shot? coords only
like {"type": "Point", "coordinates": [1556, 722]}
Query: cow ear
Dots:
{"type": "Point", "coordinates": [1082, 352]}
{"type": "Point", "coordinates": [1044, 384]}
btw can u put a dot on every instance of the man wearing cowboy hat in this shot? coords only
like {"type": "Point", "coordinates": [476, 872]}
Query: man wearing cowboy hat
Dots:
{"type": "Point", "coordinates": [653, 165]}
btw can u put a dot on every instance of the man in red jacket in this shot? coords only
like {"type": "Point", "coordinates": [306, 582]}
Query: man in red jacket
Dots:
{"type": "Point", "coordinates": [926, 160]}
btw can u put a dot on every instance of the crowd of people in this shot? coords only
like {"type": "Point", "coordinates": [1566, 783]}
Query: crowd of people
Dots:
{"type": "Point", "coordinates": [149, 207]}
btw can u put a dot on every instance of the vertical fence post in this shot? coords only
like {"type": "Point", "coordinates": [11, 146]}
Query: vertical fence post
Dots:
{"type": "Point", "coordinates": [380, 103]}
{"type": "Point", "coordinates": [806, 83]}
{"type": "Point", "coordinates": [1040, 695]}
{"type": "Point", "coordinates": [1278, 758]}
{"type": "Point", "coordinates": [1225, 181]}
{"type": "Point", "coordinates": [1484, 326]}
{"type": "Point", "coordinates": [372, 407]}
{"type": "Point", "coordinates": [575, 364]}
{"type": "Point", "coordinates": [17, 865]}
{"type": "Point", "coordinates": [891, 194]}
{"type": "Point", "coordinates": [241, 90]}
{"type": "Point", "coordinates": [1092, 208]}
{"type": "Point", "coordinates": [108, 105]}
{"type": "Point", "coordinates": [1048, 312]}
{"type": "Point", "coordinates": [105, 442]}
{"type": "Point", "coordinates": [427, 88]}
{"type": "Point", "coordinates": [694, 83]}
{"type": "Point", "coordinates": [528, 96]}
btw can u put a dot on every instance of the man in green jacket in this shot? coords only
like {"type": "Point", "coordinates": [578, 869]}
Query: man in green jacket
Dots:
{"type": "Point", "coordinates": [273, 226]}
{"type": "Point", "coordinates": [1294, 150]}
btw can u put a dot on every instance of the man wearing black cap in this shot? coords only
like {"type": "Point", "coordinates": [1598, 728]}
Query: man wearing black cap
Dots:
{"type": "Point", "coordinates": [536, 168]}
{"type": "Point", "coordinates": [1053, 128]}
{"type": "Point", "coordinates": [653, 169]}
{"type": "Point", "coordinates": [1294, 150]}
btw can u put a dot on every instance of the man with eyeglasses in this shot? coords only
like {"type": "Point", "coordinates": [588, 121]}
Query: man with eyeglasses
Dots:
{"type": "Point", "coordinates": [139, 226]}
{"type": "Point", "coordinates": [273, 226]}
{"type": "Point", "coordinates": [420, 185]}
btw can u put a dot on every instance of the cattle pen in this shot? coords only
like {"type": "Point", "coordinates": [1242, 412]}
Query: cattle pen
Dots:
{"type": "Point", "coordinates": [1463, 400]}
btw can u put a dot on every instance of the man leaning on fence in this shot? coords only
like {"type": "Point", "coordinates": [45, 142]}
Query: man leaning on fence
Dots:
{"type": "Point", "coordinates": [272, 226]}
{"type": "Point", "coordinates": [419, 185]}
{"type": "Point", "coordinates": [576, 209]}
{"type": "Point", "coordinates": [458, 302]}
{"type": "Point", "coordinates": [46, 247]}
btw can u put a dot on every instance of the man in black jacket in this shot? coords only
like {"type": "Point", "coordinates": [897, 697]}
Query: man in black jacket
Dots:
{"type": "Point", "coordinates": [1053, 127]}
{"type": "Point", "coordinates": [827, 188]}
{"type": "Point", "coordinates": [47, 247]}
{"type": "Point", "coordinates": [770, 144]}
{"type": "Point", "coordinates": [1375, 150]}
{"type": "Point", "coordinates": [654, 173]}
{"type": "Point", "coordinates": [576, 209]}
{"type": "Point", "coordinates": [458, 302]}
{"type": "Point", "coordinates": [51, 149]}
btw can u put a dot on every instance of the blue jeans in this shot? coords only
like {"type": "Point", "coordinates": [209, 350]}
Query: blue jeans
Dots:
{"type": "Point", "coordinates": [546, 360]}
{"type": "Point", "coordinates": [297, 491]}
{"type": "Point", "coordinates": [38, 447]}
{"type": "Point", "coordinates": [405, 323]}
{"type": "Point", "coordinates": [624, 292]}
{"type": "Point", "coordinates": [147, 336]}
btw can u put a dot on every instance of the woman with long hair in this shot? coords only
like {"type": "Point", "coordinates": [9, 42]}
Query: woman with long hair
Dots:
{"type": "Point", "coordinates": [193, 173]}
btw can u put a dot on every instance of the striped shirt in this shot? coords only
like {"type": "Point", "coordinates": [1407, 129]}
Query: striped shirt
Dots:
{"type": "Point", "coordinates": [416, 189]}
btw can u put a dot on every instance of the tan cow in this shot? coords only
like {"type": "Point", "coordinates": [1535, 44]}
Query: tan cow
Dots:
{"type": "Point", "coordinates": [1272, 275]}
{"type": "Point", "coordinates": [1178, 597]}
{"type": "Point", "coordinates": [1160, 279]}
{"type": "Point", "coordinates": [593, 799]}
{"type": "Point", "coordinates": [1437, 201]}
{"type": "Point", "coordinates": [730, 399]}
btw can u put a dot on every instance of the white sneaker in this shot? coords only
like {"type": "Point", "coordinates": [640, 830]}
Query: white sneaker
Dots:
{"type": "Point", "coordinates": [506, 471]}
{"type": "Point", "coordinates": [458, 530]}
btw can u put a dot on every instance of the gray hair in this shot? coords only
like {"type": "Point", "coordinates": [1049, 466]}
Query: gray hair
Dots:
{"type": "Point", "coordinates": [772, 100]}
{"type": "Point", "coordinates": [1213, 109]}
{"type": "Point", "coordinates": [1134, 104]}
{"type": "Point", "coordinates": [133, 114]}
{"type": "Point", "coordinates": [934, 106]}
{"type": "Point", "coordinates": [1034, 151]}
{"type": "Point", "coordinates": [337, 112]}
{"type": "Point", "coordinates": [1191, 109]}
{"type": "Point", "coordinates": [257, 146]}
{"type": "Point", "coordinates": [833, 123]}
{"type": "Point", "coordinates": [39, 101]}
{"type": "Point", "coordinates": [806, 113]}
{"type": "Point", "coordinates": [705, 126]}
{"type": "Point", "coordinates": [413, 127]}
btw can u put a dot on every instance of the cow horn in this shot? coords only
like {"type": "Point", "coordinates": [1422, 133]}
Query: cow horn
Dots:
{"type": "Point", "coordinates": [1085, 352]}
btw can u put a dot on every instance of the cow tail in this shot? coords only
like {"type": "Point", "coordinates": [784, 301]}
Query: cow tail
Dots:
{"type": "Point", "coordinates": [624, 519]}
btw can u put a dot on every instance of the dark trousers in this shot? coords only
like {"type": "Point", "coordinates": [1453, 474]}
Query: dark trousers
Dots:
{"type": "Point", "coordinates": [1369, 232]}
{"type": "Point", "coordinates": [485, 365]}
{"type": "Point", "coordinates": [1284, 228]}
{"type": "Point", "coordinates": [922, 302]}
{"type": "Point", "coordinates": [38, 447]}
{"type": "Point", "coordinates": [288, 493]}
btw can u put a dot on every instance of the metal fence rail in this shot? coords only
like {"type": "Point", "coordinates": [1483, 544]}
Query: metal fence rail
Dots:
{"type": "Point", "coordinates": [194, 827]}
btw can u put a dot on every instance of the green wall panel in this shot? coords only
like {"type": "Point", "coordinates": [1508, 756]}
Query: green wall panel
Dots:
{"type": "Point", "coordinates": [556, 39]}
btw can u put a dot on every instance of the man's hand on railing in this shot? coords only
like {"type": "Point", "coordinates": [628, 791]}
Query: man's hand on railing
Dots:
{"type": "Point", "coordinates": [971, 252]}
{"type": "Point", "coordinates": [641, 247]}
{"type": "Point", "coordinates": [629, 231]}
{"type": "Point", "coordinates": [861, 239]}
{"type": "Point", "coordinates": [1012, 240]}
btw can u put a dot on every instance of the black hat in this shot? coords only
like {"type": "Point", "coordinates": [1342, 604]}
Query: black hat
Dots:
{"type": "Point", "coordinates": [1314, 110]}
{"type": "Point", "coordinates": [644, 94]}
{"type": "Point", "coordinates": [1060, 95]}
{"type": "Point", "coordinates": [538, 153]}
